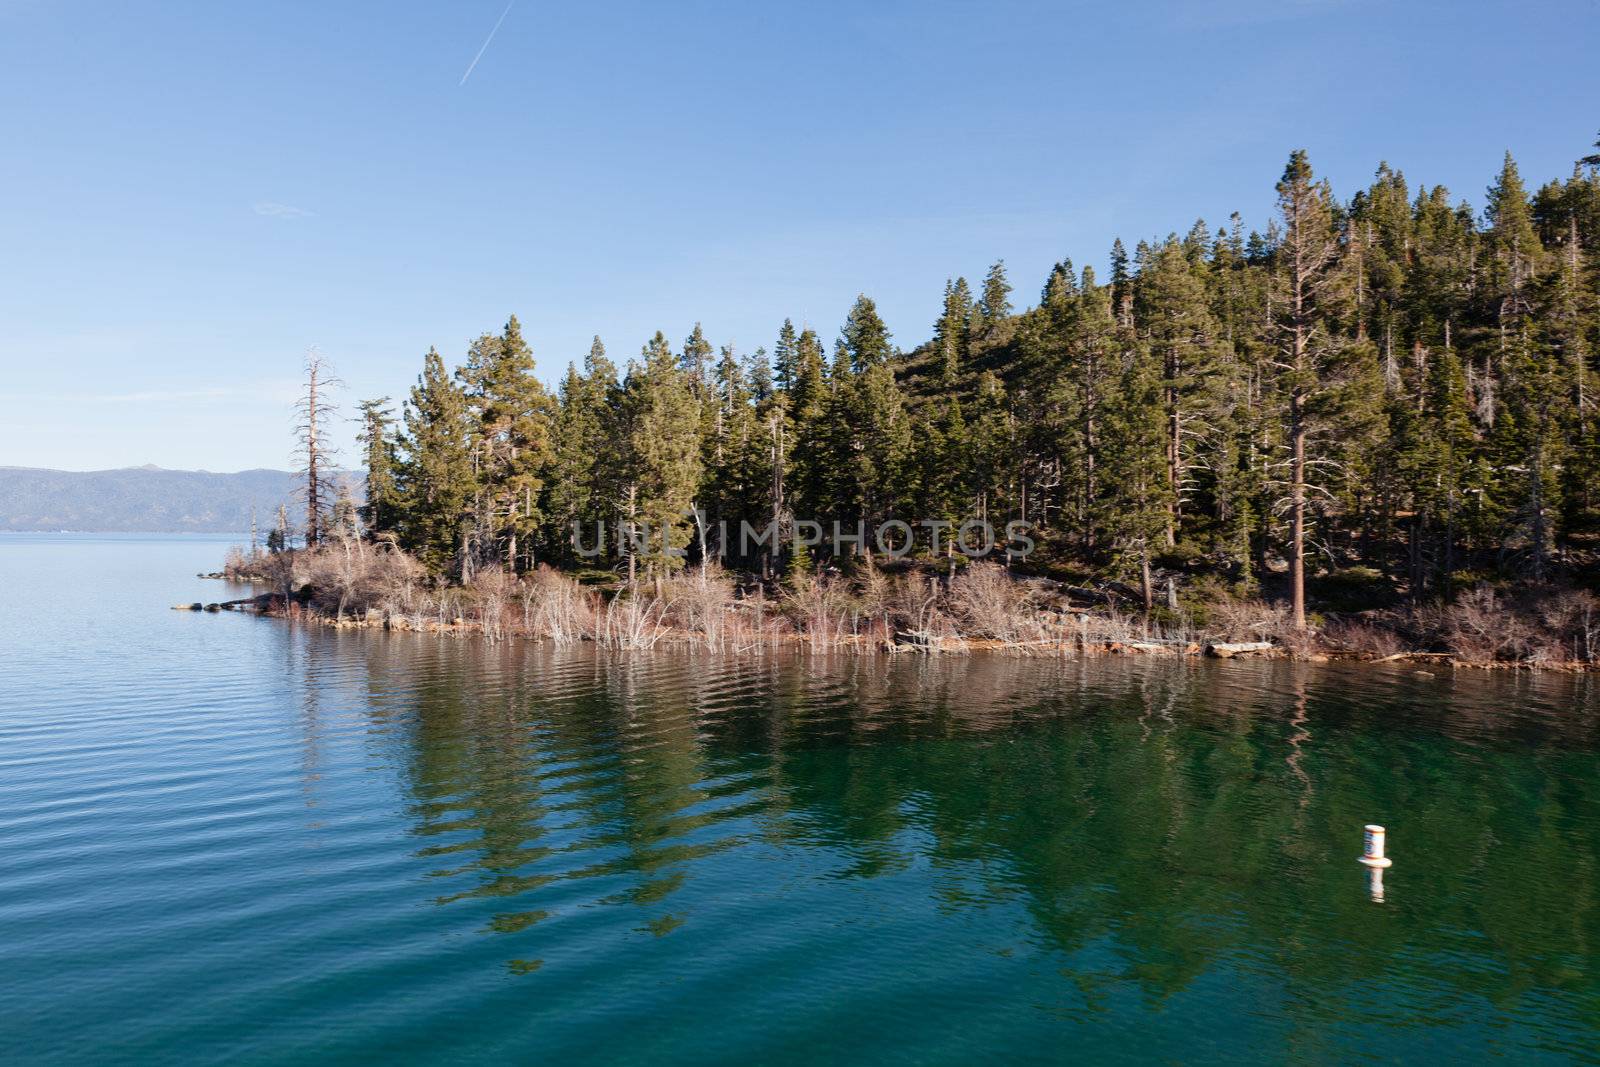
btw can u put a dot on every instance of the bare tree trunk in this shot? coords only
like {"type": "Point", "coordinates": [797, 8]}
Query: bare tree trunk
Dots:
{"type": "Point", "coordinates": [700, 536]}
{"type": "Point", "coordinates": [1301, 266]}
{"type": "Point", "coordinates": [777, 495]}
{"type": "Point", "coordinates": [1089, 445]}
{"type": "Point", "coordinates": [1146, 586]}
{"type": "Point", "coordinates": [1540, 527]}
{"type": "Point", "coordinates": [1297, 439]}
{"type": "Point", "coordinates": [314, 412]}
{"type": "Point", "coordinates": [313, 450]}
{"type": "Point", "coordinates": [629, 530]}
{"type": "Point", "coordinates": [1297, 508]}
{"type": "Point", "coordinates": [1174, 446]}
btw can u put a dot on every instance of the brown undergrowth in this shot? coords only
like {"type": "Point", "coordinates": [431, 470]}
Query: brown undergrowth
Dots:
{"type": "Point", "coordinates": [352, 583]}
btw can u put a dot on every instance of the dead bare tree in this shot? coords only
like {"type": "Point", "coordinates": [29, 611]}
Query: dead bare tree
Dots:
{"type": "Point", "coordinates": [315, 412]}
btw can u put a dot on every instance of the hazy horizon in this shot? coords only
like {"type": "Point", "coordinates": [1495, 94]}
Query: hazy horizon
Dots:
{"type": "Point", "coordinates": [285, 469]}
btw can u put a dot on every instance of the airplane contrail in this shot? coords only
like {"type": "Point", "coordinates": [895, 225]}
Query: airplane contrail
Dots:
{"type": "Point", "coordinates": [486, 41]}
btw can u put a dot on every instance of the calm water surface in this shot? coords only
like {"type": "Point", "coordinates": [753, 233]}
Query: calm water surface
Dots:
{"type": "Point", "coordinates": [226, 839]}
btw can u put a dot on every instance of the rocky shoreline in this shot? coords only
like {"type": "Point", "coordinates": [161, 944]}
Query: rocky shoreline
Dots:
{"type": "Point", "coordinates": [903, 642]}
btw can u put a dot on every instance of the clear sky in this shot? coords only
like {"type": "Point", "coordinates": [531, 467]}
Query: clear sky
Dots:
{"type": "Point", "coordinates": [193, 193]}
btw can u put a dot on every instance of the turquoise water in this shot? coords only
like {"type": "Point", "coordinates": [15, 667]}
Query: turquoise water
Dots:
{"type": "Point", "coordinates": [226, 839]}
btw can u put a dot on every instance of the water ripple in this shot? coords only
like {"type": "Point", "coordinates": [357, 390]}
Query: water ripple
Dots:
{"type": "Point", "coordinates": [225, 838]}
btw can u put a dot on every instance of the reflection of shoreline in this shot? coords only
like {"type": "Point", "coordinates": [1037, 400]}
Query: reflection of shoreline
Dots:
{"type": "Point", "coordinates": [1166, 818]}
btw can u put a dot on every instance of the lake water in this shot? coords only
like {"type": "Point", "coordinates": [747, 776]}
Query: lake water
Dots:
{"type": "Point", "coordinates": [224, 838]}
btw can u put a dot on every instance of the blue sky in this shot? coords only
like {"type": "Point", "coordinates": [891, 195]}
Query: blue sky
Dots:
{"type": "Point", "coordinates": [193, 193]}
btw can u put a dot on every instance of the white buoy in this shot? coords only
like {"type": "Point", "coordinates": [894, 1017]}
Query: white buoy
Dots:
{"type": "Point", "coordinates": [1372, 855]}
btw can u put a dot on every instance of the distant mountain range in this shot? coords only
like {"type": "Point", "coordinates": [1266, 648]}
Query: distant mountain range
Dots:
{"type": "Point", "coordinates": [142, 500]}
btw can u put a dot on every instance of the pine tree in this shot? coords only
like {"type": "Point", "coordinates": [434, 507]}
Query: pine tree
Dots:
{"type": "Point", "coordinates": [699, 368]}
{"type": "Point", "coordinates": [1379, 245]}
{"type": "Point", "coordinates": [1134, 509]}
{"type": "Point", "coordinates": [816, 466]}
{"type": "Point", "coordinates": [735, 454]}
{"type": "Point", "coordinates": [950, 332]}
{"type": "Point", "coordinates": [1530, 436]}
{"type": "Point", "coordinates": [1307, 256]}
{"type": "Point", "coordinates": [1567, 218]}
{"type": "Point", "coordinates": [1060, 286]}
{"type": "Point", "coordinates": [696, 360]}
{"type": "Point", "coordinates": [581, 488]}
{"type": "Point", "coordinates": [1440, 462]}
{"type": "Point", "coordinates": [868, 412]}
{"type": "Point", "coordinates": [1171, 305]}
{"type": "Point", "coordinates": [437, 483]}
{"type": "Point", "coordinates": [661, 420]}
{"type": "Point", "coordinates": [991, 436]}
{"type": "Point", "coordinates": [758, 371]}
{"type": "Point", "coordinates": [1512, 250]}
{"type": "Point", "coordinates": [879, 432]}
{"type": "Point", "coordinates": [774, 437]}
{"type": "Point", "coordinates": [381, 511]}
{"type": "Point", "coordinates": [994, 304]}
{"type": "Point", "coordinates": [1092, 344]}
{"type": "Point", "coordinates": [1513, 247]}
{"type": "Point", "coordinates": [941, 461]}
{"type": "Point", "coordinates": [1121, 285]}
{"type": "Point", "coordinates": [786, 357]}
{"type": "Point", "coordinates": [511, 415]}
{"type": "Point", "coordinates": [865, 339]}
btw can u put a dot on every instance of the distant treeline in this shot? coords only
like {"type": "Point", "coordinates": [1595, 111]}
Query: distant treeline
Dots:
{"type": "Point", "coordinates": [1392, 383]}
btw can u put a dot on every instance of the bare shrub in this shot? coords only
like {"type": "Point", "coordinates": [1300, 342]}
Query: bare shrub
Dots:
{"type": "Point", "coordinates": [1249, 620]}
{"type": "Point", "coordinates": [1363, 638]}
{"type": "Point", "coordinates": [492, 590]}
{"type": "Point", "coordinates": [337, 573]}
{"type": "Point", "coordinates": [555, 606]}
{"type": "Point", "coordinates": [988, 602]}
{"type": "Point", "coordinates": [393, 580]}
{"type": "Point", "coordinates": [917, 605]}
{"type": "Point", "coordinates": [756, 623]}
{"type": "Point", "coordinates": [633, 619]}
{"type": "Point", "coordinates": [875, 602]}
{"type": "Point", "coordinates": [820, 607]}
{"type": "Point", "coordinates": [1111, 628]}
{"type": "Point", "coordinates": [1480, 629]}
{"type": "Point", "coordinates": [1258, 620]}
{"type": "Point", "coordinates": [351, 576]}
{"type": "Point", "coordinates": [346, 577]}
{"type": "Point", "coordinates": [283, 574]}
{"type": "Point", "coordinates": [241, 566]}
{"type": "Point", "coordinates": [1571, 624]}
{"type": "Point", "coordinates": [444, 605]}
{"type": "Point", "coordinates": [702, 604]}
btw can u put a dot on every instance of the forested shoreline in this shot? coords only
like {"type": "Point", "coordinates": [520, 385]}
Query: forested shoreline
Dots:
{"type": "Point", "coordinates": [1370, 409]}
